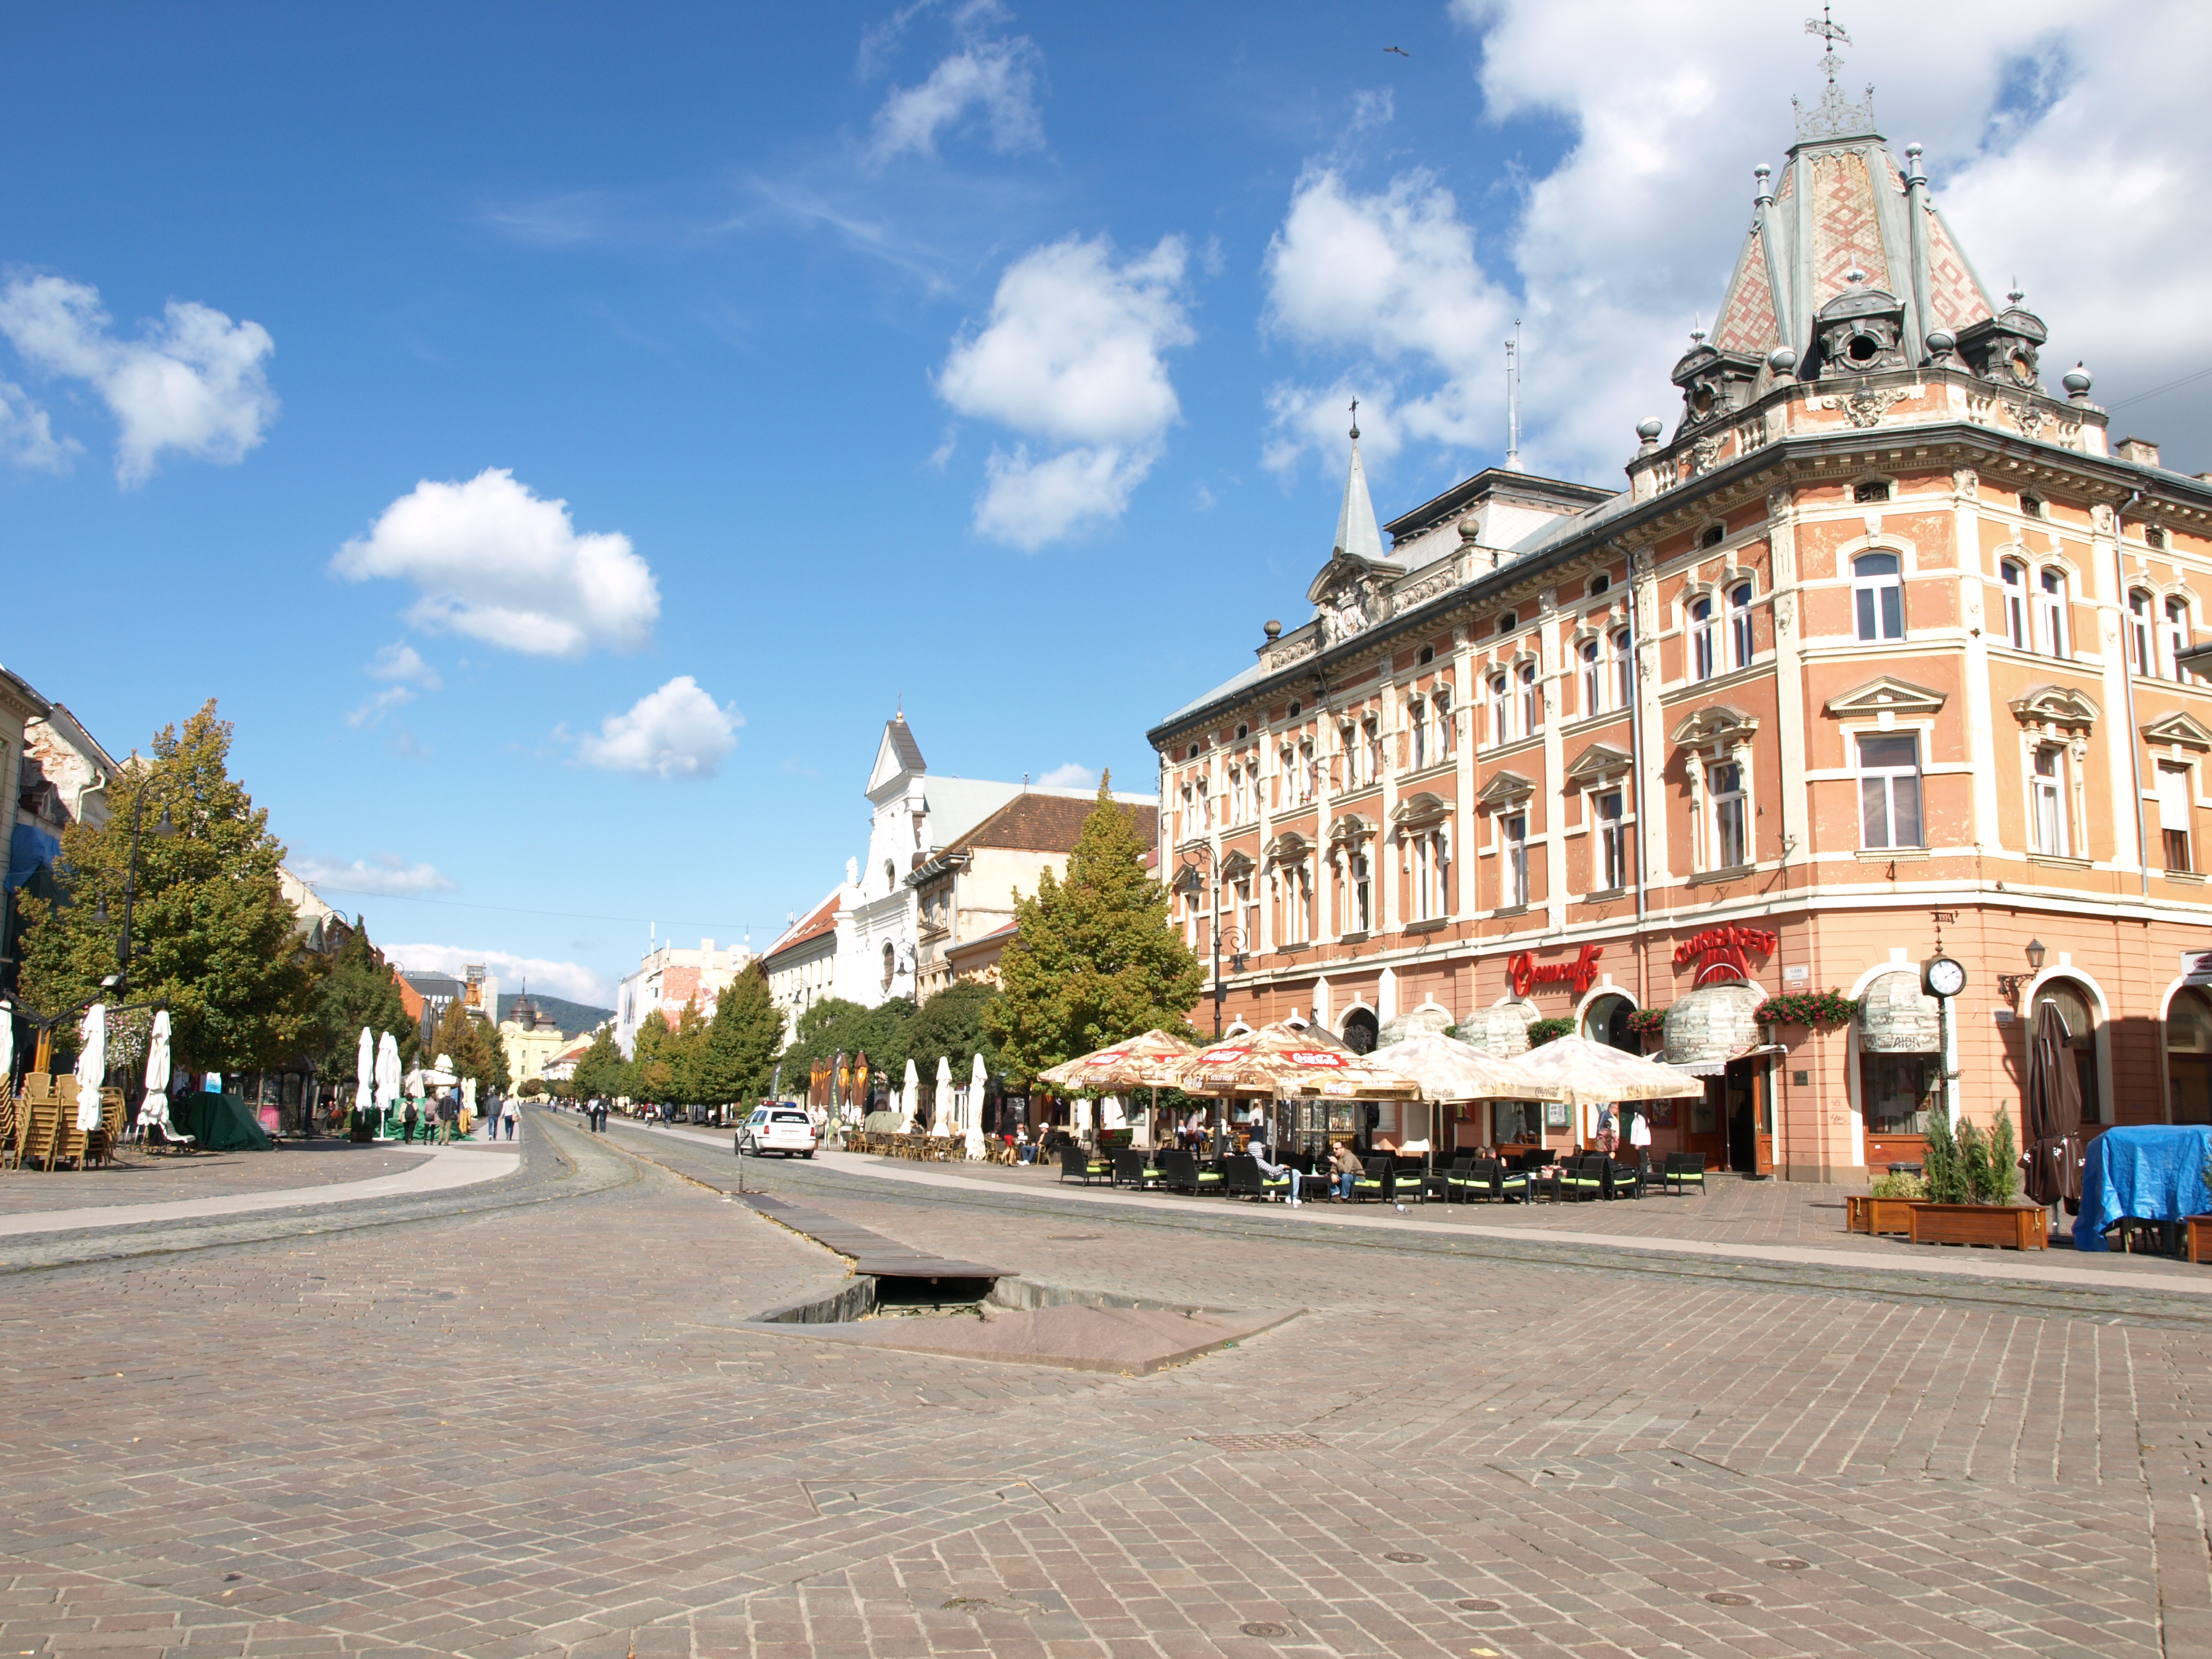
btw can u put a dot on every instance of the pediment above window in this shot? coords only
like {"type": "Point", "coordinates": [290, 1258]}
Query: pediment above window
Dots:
{"type": "Point", "coordinates": [1235, 866]}
{"type": "Point", "coordinates": [1417, 812]}
{"type": "Point", "coordinates": [1350, 827]}
{"type": "Point", "coordinates": [1718, 725]}
{"type": "Point", "coordinates": [1288, 847]}
{"type": "Point", "coordinates": [2055, 705]}
{"type": "Point", "coordinates": [1598, 761]}
{"type": "Point", "coordinates": [2179, 729]}
{"type": "Point", "coordinates": [1505, 787]}
{"type": "Point", "coordinates": [1886, 695]}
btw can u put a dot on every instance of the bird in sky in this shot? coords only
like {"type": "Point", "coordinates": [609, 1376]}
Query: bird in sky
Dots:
{"type": "Point", "coordinates": [1400, 50]}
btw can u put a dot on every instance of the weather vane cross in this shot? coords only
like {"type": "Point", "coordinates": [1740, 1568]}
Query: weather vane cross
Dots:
{"type": "Point", "coordinates": [1832, 32]}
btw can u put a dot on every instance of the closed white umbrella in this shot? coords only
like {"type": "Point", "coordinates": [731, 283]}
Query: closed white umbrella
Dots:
{"type": "Point", "coordinates": [1110, 1114]}
{"type": "Point", "coordinates": [939, 1124]}
{"type": "Point", "coordinates": [908, 1096]}
{"type": "Point", "coordinates": [157, 1057]}
{"type": "Point", "coordinates": [387, 1078]}
{"type": "Point", "coordinates": [7, 1042]}
{"type": "Point", "coordinates": [364, 1074]}
{"type": "Point", "coordinates": [91, 1066]}
{"type": "Point", "coordinates": [978, 1081]}
{"type": "Point", "coordinates": [469, 1096]}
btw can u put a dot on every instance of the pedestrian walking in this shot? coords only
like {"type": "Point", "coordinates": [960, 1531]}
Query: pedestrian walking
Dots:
{"type": "Point", "coordinates": [408, 1118]}
{"type": "Point", "coordinates": [1639, 1136]}
{"type": "Point", "coordinates": [449, 1112]}
{"type": "Point", "coordinates": [507, 1114]}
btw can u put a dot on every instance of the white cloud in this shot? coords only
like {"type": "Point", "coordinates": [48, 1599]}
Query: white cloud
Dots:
{"type": "Point", "coordinates": [387, 875]}
{"type": "Point", "coordinates": [995, 82]}
{"type": "Point", "coordinates": [382, 703]}
{"type": "Point", "coordinates": [401, 662]}
{"type": "Point", "coordinates": [677, 731]}
{"type": "Point", "coordinates": [494, 561]}
{"type": "Point", "coordinates": [1073, 775]}
{"type": "Point", "coordinates": [571, 979]}
{"type": "Point", "coordinates": [1073, 355]}
{"type": "Point", "coordinates": [193, 383]}
{"type": "Point", "coordinates": [26, 433]}
{"type": "Point", "coordinates": [2050, 128]}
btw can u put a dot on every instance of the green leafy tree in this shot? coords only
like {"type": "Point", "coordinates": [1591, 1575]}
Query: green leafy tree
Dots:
{"type": "Point", "coordinates": [651, 1073]}
{"type": "Point", "coordinates": [686, 1054]}
{"type": "Point", "coordinates": [834, 1026]}
{"type": "Point", "coordinates": [600, 1070]}
{"type": "Point", "coordinates": [738, 1057]}
{"type": "Point", "coordinates": [357, 989]}
{"type": "Point", "coordinates": [1094, 959]}
{"type": "Point", "coordinates": [211, 932]}
{"type": "Point", "coordinates": [951, 1025]}
{"type": "Point", "coordinates": [468, 1043]}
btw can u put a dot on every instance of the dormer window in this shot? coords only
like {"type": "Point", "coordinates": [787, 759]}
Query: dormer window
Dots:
{"type": "Point", "coordinates": [1507, 622]}
{"type": "Point", "coordinates": [1599, 584]}
{"type": "Point", "coordinates": [2032, 507]}
{"type": "Point", "coordinates": [1428, 654]}
{"type": "Point", "coordinates": [1193, 751]}
{"type": "Point", "coordinates": [1242, 731]}
{"type": "Point", "coordinates": [1714, 535]}
{"type": "Point", "coordinates": [1868, 491]}
{"type": "Point", "coordinates": [1297, 708]}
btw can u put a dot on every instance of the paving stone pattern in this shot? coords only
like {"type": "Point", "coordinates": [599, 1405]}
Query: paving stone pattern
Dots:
{"type": "Point", "coordinates": [139, 1177]}
{"type": "Point", "coordinates": [534, 1428]}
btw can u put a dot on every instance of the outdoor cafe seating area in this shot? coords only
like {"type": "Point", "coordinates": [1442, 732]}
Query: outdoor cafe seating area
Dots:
{"type": "Point", "coordinates": [1505, 1175]}
{"type": "Point", "coordinates": [41, 1127]}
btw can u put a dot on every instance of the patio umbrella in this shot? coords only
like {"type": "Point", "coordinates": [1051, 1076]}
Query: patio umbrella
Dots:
{"type": "Point", "coordinates": [364, 1074]}
{"type": "Point", "coordinates": [6, 1043]}
{"type": "Point", "coordinates": [940, 1106]}
{"type": "Point", "coordinates": [157, 1057]}
{"type": "Point", "coordinates": [91, 1066]}
{"type": "Point", "coordinates": [1592, 1073]}
{"type": "Point", "coordinates": [1286, 1062]}
{"type": "Point", "coordinates": [978, 1081]}
{"type": "Point", "coordinates": [387, 1078]}
{"type": "Point", "coordinates": [910, 1095]}
{"type": "Point", "coordinates": [1149, 1062]}
{"type": "Point", "coordinates": [2051, 1113]}
{"type": "Point", "coordinates": [1448, 1070]}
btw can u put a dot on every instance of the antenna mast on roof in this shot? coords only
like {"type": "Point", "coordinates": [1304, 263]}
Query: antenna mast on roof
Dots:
{"type": "Point", "coordinates": [1513, 399]}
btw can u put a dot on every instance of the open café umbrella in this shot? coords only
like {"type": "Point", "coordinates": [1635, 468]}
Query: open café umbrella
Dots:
{"type": "Point", "coordinates": [1148, 1061]}
{"type": "Point", "coordinates": [1289, 1062]}
{"type": "Point", "coordinates": [1447, 1070]}
{"type": "Point", "coordinates": [91, 1066]}
{"type": "Point", "coordinates": [1593, 1073]}
{"type": "Point", "coordinates": [941, 1103]}
{"type": "Point", "coordinates": [2051, 1113]}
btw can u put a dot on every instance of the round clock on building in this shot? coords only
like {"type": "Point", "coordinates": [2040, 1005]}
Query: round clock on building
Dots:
{"type": "Point", "coordinates": [1941, 976]}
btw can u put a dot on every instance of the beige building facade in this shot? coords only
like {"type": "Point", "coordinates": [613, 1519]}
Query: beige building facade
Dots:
{"type": "Point", "coordinates": [1885, 639]}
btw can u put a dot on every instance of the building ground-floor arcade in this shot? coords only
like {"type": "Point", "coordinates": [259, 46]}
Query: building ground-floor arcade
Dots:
{"type": "Point", "coordinates": [1805, 1103]}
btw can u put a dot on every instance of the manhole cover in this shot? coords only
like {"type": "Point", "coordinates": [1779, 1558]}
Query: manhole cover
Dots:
{"type": "Point", "coordinates": [1261, 1628]}
{"type": "Point", "coordinates": [1476, 1604]}
{"type": "Point", "coordinates": [1726, 1598]}
{"type": "Point", "coordinates": [1403, 1555]}
{"type": "Point", "coordinates": [1789, 1564]}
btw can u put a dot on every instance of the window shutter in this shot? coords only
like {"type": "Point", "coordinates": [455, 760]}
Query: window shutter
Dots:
{"type": "Point", "coordinates": [2173, 798]}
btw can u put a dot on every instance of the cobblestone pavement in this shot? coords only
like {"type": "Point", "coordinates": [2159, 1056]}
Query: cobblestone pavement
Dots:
{"type": "Point", "coordinates": [531, 1427]}
{"type": "Point", "coordinates": [139, 1177]}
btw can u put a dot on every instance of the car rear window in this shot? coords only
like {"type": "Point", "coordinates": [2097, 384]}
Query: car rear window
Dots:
{"type": "Point", "coordinates": [790, 1118]}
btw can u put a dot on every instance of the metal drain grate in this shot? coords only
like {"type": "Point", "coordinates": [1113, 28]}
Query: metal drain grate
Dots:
{"type": "Point", "coordinates": [1402, 1555]}
{"type": "Point", "coordinates": [1260, 1628]}
{"type": "Point", "coordinates": [1726, 1598]}
{"type": "Point", "coordinates": [1265, 1442]}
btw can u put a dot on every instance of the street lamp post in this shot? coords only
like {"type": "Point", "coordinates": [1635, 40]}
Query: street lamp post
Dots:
{"type": "Point", "coordinates": [1213, 883]}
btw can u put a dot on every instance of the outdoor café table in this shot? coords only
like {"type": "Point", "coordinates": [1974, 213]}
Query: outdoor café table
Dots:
{"type": "Point", "coordinates": [2152, 1172]}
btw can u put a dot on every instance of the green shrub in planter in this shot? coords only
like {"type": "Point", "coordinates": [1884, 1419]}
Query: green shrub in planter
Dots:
{"type": "Point", "coordinates": [1899, 1185]}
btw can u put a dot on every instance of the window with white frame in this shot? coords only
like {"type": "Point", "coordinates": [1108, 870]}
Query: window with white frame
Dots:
{"type": "Point", "coordinates": [2050, 612]}
{"type": "Point", "coordinates": [1424, 859]}
{"type": "Point", "coordinates": [2142, 649]}
{"type": "Point", "coordinates": [1205, 808]}
{"type": "Point", "coordinates": [1623, 668]}
{"type": "Point", "coordinates": [1417, 732]}
{"type": "Point", "coordinates": [1610, 865]}
{"type": "Point", "coordinates": [1593, 676]}
{"type": "Point", "coordinates": [2178, 638]}
{"type": "Point", "coordinates": [1889, 790]}
{"type": "Point", "coordinates": [1440, 706]}
{"type": "Point", "coordinates": [1370, 734]}
{"type": "Point", "coordinates": [1287, 776]}
{"type": "Point", "coordinates": [2173, 818]}
{"type": "Point", "coordinates": [1248, 915]}
{"type": "Point", "coordinates": [1513, 861]}
{"type": "Point", "coordinates": [1501, 709]}
{"type": "Point", "coordinates": [1726, 807]}
{"type": "Point", "coordinates": [1189, 814]}
{"type": "Point", "coordinates": [1532, 701]}
{"type": "Point", "coordinates": [1740, 638]}
{"type": "Point", "coordinates": [1701, 639]}
{"type": "Point", "coordinates": [1359, 891]}
{"type": "Point", "coordinates": [1348, 740]}
{"type": "Point", "coordinates": [2014, 577]}
{"type": "Point", "coordinates": [1309, 772]}
{"type": "Point", "coordinates": [1878, 596]}
{"type": "Point", "coordinates": [2047, 801]}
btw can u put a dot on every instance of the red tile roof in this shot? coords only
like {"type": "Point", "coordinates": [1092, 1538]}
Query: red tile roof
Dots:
{"type": "Point", "coordinates": [821, 919]}
{"type": "Point", "coordinates": [1047, 823]}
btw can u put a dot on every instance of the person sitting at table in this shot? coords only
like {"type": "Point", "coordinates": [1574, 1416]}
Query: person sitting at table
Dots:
{"type": "Point", "coordinates": [1346, 1163]}
{"type": "Point", "coordinates": [1257, 1151]}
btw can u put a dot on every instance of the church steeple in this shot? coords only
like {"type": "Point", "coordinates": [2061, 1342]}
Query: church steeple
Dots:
{"type": "Point", "coordinates": [1357, 532]}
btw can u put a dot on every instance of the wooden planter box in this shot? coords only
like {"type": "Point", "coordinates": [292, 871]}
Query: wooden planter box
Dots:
{"type": "Point", "coordinates": [2008, 1227]}
{"type": "Point", "coordinates": [2196, 1237]}
{"type": "Point", "coordinates": [1880, 1215]}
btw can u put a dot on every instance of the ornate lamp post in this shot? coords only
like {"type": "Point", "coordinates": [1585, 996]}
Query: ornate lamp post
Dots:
{"type": "Point", "coordinates": [1190, 873]}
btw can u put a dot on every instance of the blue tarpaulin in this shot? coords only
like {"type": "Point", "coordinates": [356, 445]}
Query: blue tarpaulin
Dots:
{"type": "Point", "coordinates": [2154, 1173]}
{"type": "Point", "coordinates": [27, 848]}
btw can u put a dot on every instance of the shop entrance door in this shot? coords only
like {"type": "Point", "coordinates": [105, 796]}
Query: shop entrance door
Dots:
{"type": "Point", "coordinates": [1750, 1120]}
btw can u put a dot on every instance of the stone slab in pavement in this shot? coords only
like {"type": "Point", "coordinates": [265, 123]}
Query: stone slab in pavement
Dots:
{"type": "Point", "coordinates": [541, 1427]}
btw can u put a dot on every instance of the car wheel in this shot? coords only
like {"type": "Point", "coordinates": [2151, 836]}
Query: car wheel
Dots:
{"type": "Point", "coordinates": [808, 1154]}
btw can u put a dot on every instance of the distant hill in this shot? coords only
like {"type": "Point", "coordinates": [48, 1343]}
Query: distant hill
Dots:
{"type": "Point", "coordinates": [575, 1018]}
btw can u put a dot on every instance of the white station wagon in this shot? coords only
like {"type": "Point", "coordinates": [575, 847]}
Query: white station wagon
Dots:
{"type": "Point", "coordinates": [783, 1130]}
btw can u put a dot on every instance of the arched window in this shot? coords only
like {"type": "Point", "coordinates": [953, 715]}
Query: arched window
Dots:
{"type": "Point", "coordinates": [1731, 844]}
{"type": "Point", "coordinates": [2078, 1010]}
{"type": "Point", "coordinates": [1359, 894]}
{"type": "Point", "coordinates": [1440, 703]}
{"type": "Point", "coordinates": [1740, 626]}
{"type": "Point", "coordinates": [2177, 637]}
{"type": "Point", "coordinates": [2050, 612]}
{"type": "Point", "coordinates": [2047, 801]}
{"type": "Point", "coordinates": [2014, 578]}
{"type": "Point", "coordinates": [1417, 731]}
{"type": "Point", "coordinates": [1592, 678]}
{"type": "Point", "coordinates": [1513, 864]}
{"type": "Point", "coordinates": [1501, 709]}
{"type": "Point", "coordinates": [1349, 740]}
{"type": "Point", "coordinates": [1878, 596]}
{"type": "Point", "coordinates": [1598, 583]}
{"type": "Point", "coordinates": [2141, 648]}
{"type": "Point", "coordinates": [2189, 1056]}
{"type": "Point", "coordinates": [1531, 706]}
{"type": "Point", "coordinates": [1701, 639]}
{"type": "Point", "coordinates": [1621, 669]}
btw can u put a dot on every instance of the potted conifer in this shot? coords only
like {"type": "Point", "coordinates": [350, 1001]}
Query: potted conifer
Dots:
{"type": "Point", "coordinates": [1972, 1180]}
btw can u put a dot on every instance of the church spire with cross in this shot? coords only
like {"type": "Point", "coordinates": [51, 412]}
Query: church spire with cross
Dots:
{"type": "Point", "coordinates": [1357, 532]}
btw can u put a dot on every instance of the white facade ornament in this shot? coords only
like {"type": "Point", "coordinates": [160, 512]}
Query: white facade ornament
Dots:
{"type": "Point", "coordinates": [1866, 406]}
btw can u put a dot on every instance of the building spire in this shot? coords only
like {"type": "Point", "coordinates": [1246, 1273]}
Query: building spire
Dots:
{"type": "Point", "coordinates": [1357, 532]}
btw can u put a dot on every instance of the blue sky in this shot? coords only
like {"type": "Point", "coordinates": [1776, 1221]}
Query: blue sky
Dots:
{"type": "Point", "coordinates": [989, 356]}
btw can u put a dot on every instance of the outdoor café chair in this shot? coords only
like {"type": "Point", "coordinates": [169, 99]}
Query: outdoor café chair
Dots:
{"type": "Point", "coordinates": [1180, 1171]}
{"type": "Point", "coordinates": [1407, 1183]}
{"type": "Point", "coordinates": [1373, 1185]}
{"type": "Point", "coordinates": [1686, 1172]}
{"type": "Point", "coordinates": [1452, 1184]}
{"type": "Point", "coordinates": [1493, 1182]}
{"type": "Point", "coordinates": [1132, 1167]}
{"type": "Point", "coordinates": [1585, 1178]}
{"type": "Point", "coordinates": [1623, 1180]}
{"type": "Point", "coordinates": [1075, 1161]}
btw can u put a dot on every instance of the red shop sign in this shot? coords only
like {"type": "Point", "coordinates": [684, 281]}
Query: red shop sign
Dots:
{"type": "Point", "coordinates": [1721, 951]}
{"type": "Point", "coordinates": [1525, 973]}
